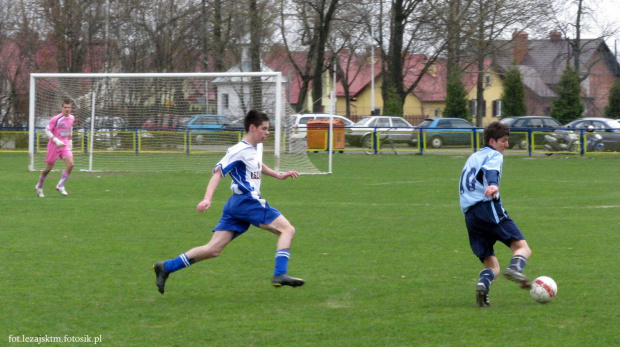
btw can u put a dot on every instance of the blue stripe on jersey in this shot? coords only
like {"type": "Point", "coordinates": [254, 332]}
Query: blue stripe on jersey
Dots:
{"type": "Point", "coordinates": [495, 216]}
{"type": "Point", "coordinates": [240, 162]}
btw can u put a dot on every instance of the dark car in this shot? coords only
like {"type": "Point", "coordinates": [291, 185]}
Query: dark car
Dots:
{"type": "Point", "coordinates": [608, 128]}
{"type": "Point", "coordinates": [237, 125]}
{"type": "Point", "coordinates": [520, 126]}
{"type": "Point", "coordinates": [439, 132]}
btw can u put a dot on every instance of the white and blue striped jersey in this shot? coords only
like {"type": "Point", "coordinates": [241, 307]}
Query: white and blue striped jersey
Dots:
{"type": "Point", "coordinates": [473, 180]}
{"type": "Point", "coordinates": [241, 163]}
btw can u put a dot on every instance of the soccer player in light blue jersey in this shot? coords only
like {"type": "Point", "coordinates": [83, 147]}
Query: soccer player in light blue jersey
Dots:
{"type": "Point", "coordinates": [244, 208]}
{"type": "Point", "coordinates": [486, 220]}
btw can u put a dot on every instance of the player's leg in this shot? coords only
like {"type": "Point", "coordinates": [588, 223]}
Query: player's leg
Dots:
{"type": "Point", "coordinates": [285, 231]}
{"type": "Point", "coordinates": [485, 279]}
{"type": "Point", "coordinates": [50, 159]}
{"type": "Point", "coordinates": [39, 186]}
{"type": "Point", "coordinates": [520, 254]}
{"type": "Point", "coordinates": [65, 175]}
{"type": "Point", "coordinates": [212, 249]}
{"type": "Point", "coordinates": [480, 230]}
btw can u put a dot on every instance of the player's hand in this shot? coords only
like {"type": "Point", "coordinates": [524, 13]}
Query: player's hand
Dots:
{"type": "Point", "coordinates": [292, 174]}
{"type": "Point", "coordinates": [203, 205]}
{"type": "Point", "coordinates": [58, 142]}
{"type": "Point", "coordinates": [491, 191]}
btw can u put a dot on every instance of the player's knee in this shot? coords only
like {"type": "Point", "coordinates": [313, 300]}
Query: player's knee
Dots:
{"type": "Point", "coordinates": [290, 231]}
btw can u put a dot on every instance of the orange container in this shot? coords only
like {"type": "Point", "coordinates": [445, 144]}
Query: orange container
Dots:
{"type": "Point", "coordinates": [317, 130]}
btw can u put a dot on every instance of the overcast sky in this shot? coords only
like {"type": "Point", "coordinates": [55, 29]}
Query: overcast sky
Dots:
{"type": "Point", "coordinates": [609, 13]}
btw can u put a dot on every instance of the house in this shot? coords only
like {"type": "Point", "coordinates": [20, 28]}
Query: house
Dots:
{"type": "Point", "coordinates": [234, 94]}
{"type": "Point", "coordinates": [428, 98]}
{"type": "Point", "coordinates": [542, 62]}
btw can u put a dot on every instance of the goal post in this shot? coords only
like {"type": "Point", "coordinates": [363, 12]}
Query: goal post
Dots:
{"type": "Point", "coordinates": [141, 122]}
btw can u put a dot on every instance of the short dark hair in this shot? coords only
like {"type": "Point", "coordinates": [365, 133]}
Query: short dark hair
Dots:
{"type": "Point", "coordinates": [495, 130]}
{"type": "Point", "coordinates": [66, 102]}
{"type": "Point", "coordinates": [254, 117]}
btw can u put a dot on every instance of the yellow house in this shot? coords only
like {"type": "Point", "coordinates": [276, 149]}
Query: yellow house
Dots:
{"type": "Point", "coordinates": [426, 100]}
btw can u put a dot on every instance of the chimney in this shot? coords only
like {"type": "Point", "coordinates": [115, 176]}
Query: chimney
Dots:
{"type": "Point", "coordinates": [555, 36]}
{"type": "Point", "coordinates": [519, 46]}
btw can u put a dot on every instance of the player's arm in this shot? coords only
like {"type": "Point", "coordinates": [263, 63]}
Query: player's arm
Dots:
{"type": "Point", "coordinates": [213, 183]}
{"type": "Point", "coordinates": [492, 177]}
{"type": "Point", "coordinates": [48, 132]}
{"type": "Point", "coordinates": [269, 172]}
{"type": "Point", "coordinates": [70, 138]}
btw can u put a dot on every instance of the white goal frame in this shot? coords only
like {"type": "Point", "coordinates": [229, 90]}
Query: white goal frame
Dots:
{"type": "Point", "coordinates": [279, 108]}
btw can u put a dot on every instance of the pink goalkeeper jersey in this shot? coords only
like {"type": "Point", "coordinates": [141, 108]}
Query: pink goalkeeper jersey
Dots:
{"type": "Point", "coordinates": [61, 126]}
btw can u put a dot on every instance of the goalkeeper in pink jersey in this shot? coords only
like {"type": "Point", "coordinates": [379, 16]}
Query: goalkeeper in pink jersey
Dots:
{"type": "Point", "coordinates": [59, 130]}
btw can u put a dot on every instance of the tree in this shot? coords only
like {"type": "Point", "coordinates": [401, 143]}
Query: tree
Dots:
{"type": "Point", "coordinates": [456, 97]}
{"type": "Point", "coordinates": [568, 106]}
{"type": "Point", "coordinates": [413, 28]}
{"type": "Point", "coordinates": [613, 109]}
{"type": "Point", "coordinates": [584, 17]}
{"type": "Point", "coordinates": [513, 99]}
{"type": "Point", "coordinates": [313, 19]}
{"type": "Point", "coordinates": [489, 21]}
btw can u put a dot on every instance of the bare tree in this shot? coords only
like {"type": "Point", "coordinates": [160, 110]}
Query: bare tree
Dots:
{"type": "Point", "coordinates": [413, 27]}
{"type": "Point", "coordinates": [312, 19]}
{"type": "Point", "coordinates": [490, 21]}
{"type": "Point", "coordinates": [350, 45]}
{"type": "Point", "coordinates": [572, 18]}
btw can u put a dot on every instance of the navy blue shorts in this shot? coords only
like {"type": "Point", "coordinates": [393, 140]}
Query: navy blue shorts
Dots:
{"type": "Point", "coordinates": [241, 210]}
{"type": "Point", "coordinates": [487, 222]}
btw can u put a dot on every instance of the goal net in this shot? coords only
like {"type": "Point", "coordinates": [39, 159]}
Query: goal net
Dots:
{"type": "Point", "coordinates": [163, 121]}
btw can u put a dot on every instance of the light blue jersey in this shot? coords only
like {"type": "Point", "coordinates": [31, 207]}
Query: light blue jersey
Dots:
{"type": "Point", "coordinates": [244, 169]}
{"type": "Point", "coordinates": [473, 180]}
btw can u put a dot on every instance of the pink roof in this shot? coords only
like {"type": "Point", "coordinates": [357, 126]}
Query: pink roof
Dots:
{"type": "Point", "coordinates": [279, 61]}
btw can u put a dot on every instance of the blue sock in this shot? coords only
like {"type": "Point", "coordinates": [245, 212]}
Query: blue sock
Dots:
{"type": "Point", "coordinates": [486, 277]}
{"type": "Point", "coordinates": [177, 263]}
{"type": "Point", "coordinates": [282, 257]}
{"type": "Point", "coordinates": [518, 263]}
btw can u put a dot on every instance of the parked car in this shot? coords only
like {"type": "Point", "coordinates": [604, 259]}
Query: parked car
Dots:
{"type": "Point", "coordinates": [107, 130]}
{"type": "Point", "coordinates": [390, 128]}
{"type": "Point", "coordinates": [507, 120]}
{"type": "Point", "coordinates": [237, 125]}
{"type": "Point", "coordinates": [447, 131]}
{"type": "Point", "coordinates": [608, 128]}
{"type": "Point", "coordinates": [519, 126]}
{"type": "Point", "coordinates": [207, 122]}
{"type": "Point", "coordinates": [299, 121]}
{"type": "Point", "coordinates": [166, 122]}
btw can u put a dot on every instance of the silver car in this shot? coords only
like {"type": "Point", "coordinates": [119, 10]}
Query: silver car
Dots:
{"type": "Point", "coordinates": [386, 128]}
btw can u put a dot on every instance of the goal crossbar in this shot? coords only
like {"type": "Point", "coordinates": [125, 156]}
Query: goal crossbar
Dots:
{"type": "Point", "coordinates": [91, 89]}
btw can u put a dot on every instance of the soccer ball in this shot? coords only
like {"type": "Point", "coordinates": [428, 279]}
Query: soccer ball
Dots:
{"type": "Point", "coordinates": [543, 289]}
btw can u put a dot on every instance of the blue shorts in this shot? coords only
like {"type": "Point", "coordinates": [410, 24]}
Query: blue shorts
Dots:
{"type": "Point", "coordinates": [241, 210]}
{"type": "Point", "coordinates": [487, 222]}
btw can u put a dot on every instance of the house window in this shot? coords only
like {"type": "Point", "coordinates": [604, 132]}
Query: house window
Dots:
{"type": "Point", "coordinates": [437, 112]}
{"type": "Point", "coordinates": [487, 80]}
{"type": "Point", "coordinates": [473, 107]}
{"type": "Point", "coordinates": [497, 108]}
{"type": "Point", "coordinates": [225, 101]}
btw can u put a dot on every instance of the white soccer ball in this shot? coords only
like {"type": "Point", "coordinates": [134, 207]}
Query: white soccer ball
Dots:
{"type": "Point", "coordinates": [543, 289]}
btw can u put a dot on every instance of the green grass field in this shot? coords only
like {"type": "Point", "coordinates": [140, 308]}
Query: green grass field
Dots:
{"type": "Point", "coordinates": [381, 244]}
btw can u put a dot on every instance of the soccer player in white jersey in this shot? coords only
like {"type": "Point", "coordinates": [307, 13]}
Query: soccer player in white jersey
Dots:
{"type": "Point", "coordinates": [244, 207]}
{"type": "Point", "coordinates": [485, 217]}
{"type": "Point", "coordinates": [59, 130]}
